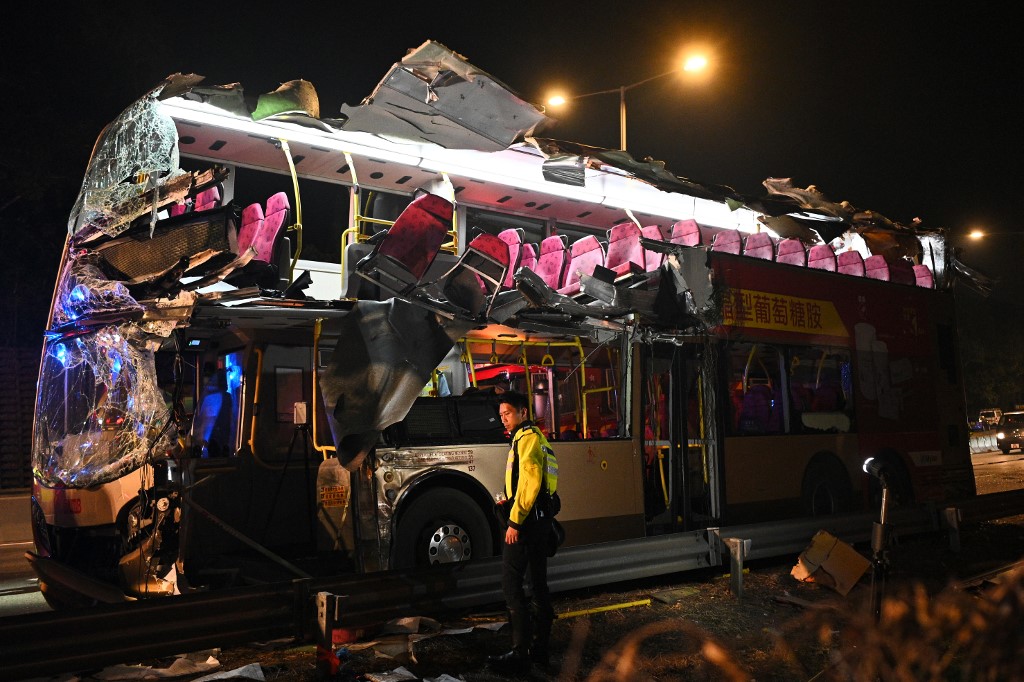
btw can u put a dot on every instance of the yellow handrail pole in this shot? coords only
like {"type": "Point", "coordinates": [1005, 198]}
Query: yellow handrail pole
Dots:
{"type": "Point", "coordinates": [256, 399]}
{"type": "Point", "coordinates": [527, 377]}
{"type": "Point", "coordinates": [322, 449]}
{"type": "Point", "coordinates": [255, 413]}
{"type": "Point", "coordinates": [589, 391]}
{"type": "Point", "coordinates": [297, 226]}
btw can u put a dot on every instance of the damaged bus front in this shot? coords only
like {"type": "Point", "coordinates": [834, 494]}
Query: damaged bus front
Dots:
{"type": "Point", "coordinates": [277, 339]}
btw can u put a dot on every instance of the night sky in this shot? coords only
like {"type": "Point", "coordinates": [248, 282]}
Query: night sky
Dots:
{"type": "Point", "coordinates": [908, 111]}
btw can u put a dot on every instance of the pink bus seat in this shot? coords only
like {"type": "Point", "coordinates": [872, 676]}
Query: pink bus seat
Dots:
{"type": "Point", "coordinates": [208, 198]}
{"type": "Point", "coordinates": [278, 210]}
{"type": "Point", "coordinates": [402, 257]}
{"type": "Point", "coordinates": [822, 257]}
{"type": "Point", "coordinates": [923, 276]}
{"type": "Point", "coordinates": [875, 267]}
{"type": "Point", "coordinates": [850, 263]}
{"type": "Point", "coordinates": [554, 253]}
{"type": "Point", "coordinates": [625, 254]}
{"type": "Point", "coordinates": [528, 257]}
{"type": "Point", "coordinates": [759, 245]}
{"type": "Point", "coordinates": [902, 272]}
{"type": "Point", "coordinates": [586, 253]}
{"type": "Point", "coordinates": [513, 236]}
{"type": "Point", "coordinates": [653, 259]}
{"type": "Point", "coordinates": [727, 241]}
{"type": "Point", "coordinates": [791, 252]}
{"type": "Point", "coordinates": [252, 224]}
{"type": "Point", "coordinates": [686, 233]}
{"type": "Point", "coordinates": [178, 208]}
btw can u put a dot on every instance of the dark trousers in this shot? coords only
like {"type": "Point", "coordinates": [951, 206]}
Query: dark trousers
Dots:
{"type": "Point", "coordinates": [528, 557]}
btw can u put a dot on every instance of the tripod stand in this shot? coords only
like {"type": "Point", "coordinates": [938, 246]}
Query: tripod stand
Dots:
{"type": "Point", "coordinates": [303, 430]}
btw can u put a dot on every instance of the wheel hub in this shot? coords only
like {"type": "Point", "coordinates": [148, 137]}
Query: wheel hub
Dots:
{"type": "Point", "coordinates": [448, 544]}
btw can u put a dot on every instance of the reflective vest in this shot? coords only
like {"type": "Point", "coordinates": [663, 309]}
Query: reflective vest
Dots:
{"type": "Point", "coordinates": [531, 468]}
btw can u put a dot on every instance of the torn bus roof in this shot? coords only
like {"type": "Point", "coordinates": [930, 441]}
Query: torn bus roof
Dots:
{"type": "Point", "coordinates": [435, 96]}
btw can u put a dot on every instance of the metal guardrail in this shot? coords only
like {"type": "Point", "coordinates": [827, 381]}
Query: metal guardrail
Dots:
{"type": "Point", "coordinates": [55, 642]}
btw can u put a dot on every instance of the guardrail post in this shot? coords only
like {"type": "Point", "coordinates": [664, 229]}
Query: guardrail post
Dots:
{"type": "Point", "coordinates": [328, 613]}
{"type": "Point", "coordinates": [952, 517]}
{"type": "Point", "coordinates": [738, 550]}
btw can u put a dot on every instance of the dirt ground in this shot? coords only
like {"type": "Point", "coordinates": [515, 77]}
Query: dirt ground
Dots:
{"type": "Point", "coordinates": [694, 628]}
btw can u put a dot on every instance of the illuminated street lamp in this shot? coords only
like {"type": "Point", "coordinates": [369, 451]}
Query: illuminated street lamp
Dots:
{"type": "Point", "coordinates": [691, 64]}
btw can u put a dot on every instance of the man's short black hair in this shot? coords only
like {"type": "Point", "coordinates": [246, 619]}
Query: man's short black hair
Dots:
{"type": "Point", "coordinates": [515, 399]}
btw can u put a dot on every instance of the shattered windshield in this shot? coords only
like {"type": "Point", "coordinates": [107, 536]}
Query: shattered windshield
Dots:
{"type": "Point", "coordinates": [100, 412]}
{"type": "Point", "coordinates": [135, 152]}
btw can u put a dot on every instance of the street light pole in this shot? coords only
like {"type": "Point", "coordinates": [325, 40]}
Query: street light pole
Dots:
{"type": "Point", "coordinates": [696, 66]}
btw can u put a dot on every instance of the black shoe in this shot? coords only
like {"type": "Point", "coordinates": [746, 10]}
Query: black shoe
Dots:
{"type": "Point", "coordinates": [510, 662]}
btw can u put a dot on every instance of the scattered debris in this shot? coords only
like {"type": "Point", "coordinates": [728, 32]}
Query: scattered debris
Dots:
{"type": "Point", "coordinates": [186, 664]}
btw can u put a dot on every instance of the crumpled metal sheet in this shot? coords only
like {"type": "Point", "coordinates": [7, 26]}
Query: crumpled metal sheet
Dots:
{"type": "Point", "coordinates": [385, 354]}
{"type": "Point", "coordinates": [99, 410]}
{"type": "Point", "coordinates": [134, 153]}
{"type": "Point", "coordinates": [434, 95]}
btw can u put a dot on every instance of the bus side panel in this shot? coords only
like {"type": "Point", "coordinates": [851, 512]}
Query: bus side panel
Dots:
{"type": "Point", "coordinates": [600, 484]}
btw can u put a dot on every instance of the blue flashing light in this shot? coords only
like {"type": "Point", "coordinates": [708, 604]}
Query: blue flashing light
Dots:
{"type": "Point", "coordinates": [61, 353]}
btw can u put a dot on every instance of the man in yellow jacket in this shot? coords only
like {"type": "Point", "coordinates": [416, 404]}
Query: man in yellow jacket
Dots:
{"type": "Point", "coordinates": [531, 481]}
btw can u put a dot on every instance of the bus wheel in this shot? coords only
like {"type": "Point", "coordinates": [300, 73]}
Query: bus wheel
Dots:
{"type": "Point", "coordinates": [439, 527]}
{"type": "Point", "coordinates": [826, 489]}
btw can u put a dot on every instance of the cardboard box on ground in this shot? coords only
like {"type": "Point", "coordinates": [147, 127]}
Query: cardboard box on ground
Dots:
{"type": "Point", "coordinates": [830, 562]}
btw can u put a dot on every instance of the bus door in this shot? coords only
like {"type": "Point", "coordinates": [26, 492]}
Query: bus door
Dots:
{"type": "Point", "coordinates": [678, 453]}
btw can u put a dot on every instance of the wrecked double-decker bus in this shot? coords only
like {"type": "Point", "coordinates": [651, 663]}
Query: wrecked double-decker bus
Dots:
{"type": "Point", "coordinates": [277, 339]}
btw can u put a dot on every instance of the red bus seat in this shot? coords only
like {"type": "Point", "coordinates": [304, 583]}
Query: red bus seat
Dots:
{"type": "Point", "coordinates": [278, 209]}
{"type": "Point", "coordinates": [625, 253]}
{"type": "Point", "coordinates": [727, 241]}
{"type": "Point", "coordinates": [791, 252]}
{"type": "Point", "coordinates": [686, 233]}
{"type": "Point", "coordinates": [653, 259]}
{"type": "Point", "coordinates": [850, 263]}
{"type": "Point", "coordinates": [402, 257]}
{"type": "Point", "coordinates": [514, 238]}
{"type": "Point", "coordinates": [554, 252]}
{"type": "Point", "coordinates": [822, 257]}
{"type": "Point", "coordinates": [252, 223]}
{"type": "Point", "coordinates": [527, 257]}
{"type": "Point", "coordinates": [586, 253]}
{"type": "Point", "coordinates": [875, 267]}
{"type": "Point", "coordinates": [487, 258]}
{"type": "Point", "coordinates": [923, 276]}
{"type": "Point", "coordinates": [759, 245]}
{"type": "Point", "coordinates": [208, 198]}
{"type": "Point", "coordinates": [178, 208]}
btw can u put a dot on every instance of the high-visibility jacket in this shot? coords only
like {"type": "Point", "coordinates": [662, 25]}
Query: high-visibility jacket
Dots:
{"type": "Point", "coordinates": [531, 467]}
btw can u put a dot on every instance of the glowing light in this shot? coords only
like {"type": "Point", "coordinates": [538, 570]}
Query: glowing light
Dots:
{"type": "Point", "coordinates": [697, 62]}
{"type": "Point", "coordinates": [61, 353]}
{"type": "Point", "coordinates": [557, 100]}
{"type": "Point", "coordinates": [976, 234]}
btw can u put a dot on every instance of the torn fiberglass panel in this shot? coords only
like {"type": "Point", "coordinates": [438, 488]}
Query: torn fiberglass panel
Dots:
{"type": "Point", "coordinates": [385, 355]}
{"type": "Point", "coordinates": [99, 410]}
{"type": "Point", "coordinates": [139, 148]}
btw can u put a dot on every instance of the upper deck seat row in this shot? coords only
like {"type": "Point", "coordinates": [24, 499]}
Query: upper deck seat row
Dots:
{"type": "Point", "coordinates": [560, 265]}
{"type": "Point", "coordinates": [402, 256]}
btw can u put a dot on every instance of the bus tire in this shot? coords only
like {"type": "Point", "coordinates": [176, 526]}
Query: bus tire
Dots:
{"type": "Point", "coordinates": [826, 488]}
{"type": "Point", "coordinates": [441, 526]}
